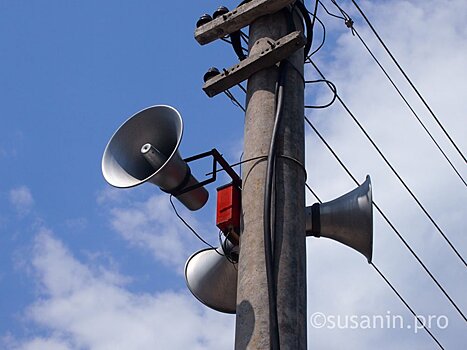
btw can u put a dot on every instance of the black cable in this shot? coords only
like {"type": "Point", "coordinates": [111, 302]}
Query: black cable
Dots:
{"type": "Point", "coordinates": [244, 37]}
{"type": "Point", "coordinates": [223, 246]}
{"type": "Point", "coordinates": [329, 13]}
{"type": "Point", "coordinates": [386, 219]}
{"type": "Point", "coordinates": [313, 193]}
{"type": "Point", "coordinates": [241, 87]}
{"type": "Point", "coordinates": [268, 227]}
{"type": "Point", "coordinates": [315, 12]}
{"type": "Point", "coordinates": [234, 100]}
{"type": "Point", "coordinates": [323, 40]}
{"type": "Point", "coordinates": [427, 214]}
{"type": "Point", "coordinates": [237, 45]}
{"type": "Point", "coordinates": [410, 82]}
{"type": "Point", "coordinates": [189, 227]}
{"type": "Point", "coordinates": [269, 254]}
{"type": "Point", "coordinates": [410, 107]}
{"type": "Point", "coordinates": [407, 305]}
{"type": "Point", "coordinates": [398, 91]}
{"type": "Point", "coordinates": [345, 16]}
{"type": "Point", "coordinates": [333, 88]}
{"type": "Point", "coordinates": [309, 24]}
{"type": "Point", "coordinates": [238, 163]}
{"type": "Point", "coordinates": [226, 40]}
{"type": "Point", "coordinates": [230, 42]}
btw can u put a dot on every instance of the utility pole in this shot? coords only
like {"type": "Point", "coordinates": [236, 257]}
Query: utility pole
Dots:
{"type": "Point", "coordinates": [268, 291]}
{"type": "Point", "coordinates": [252, 324]}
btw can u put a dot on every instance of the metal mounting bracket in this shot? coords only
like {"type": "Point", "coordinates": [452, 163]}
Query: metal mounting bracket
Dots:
{"type": "Point", "coordinates": [238, 18]}
{"type": "Point", "coordinates": [276, 51]}
{"type": "Point", "coordinates": [216, 159]}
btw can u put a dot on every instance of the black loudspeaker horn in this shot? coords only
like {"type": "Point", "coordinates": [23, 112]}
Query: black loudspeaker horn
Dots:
{"type": "Point", "coordinates": [211, 276]}
{"type": "Point", "coordinates": [347, 219]}
{"type": "Point", "coordinates": [145, 148]}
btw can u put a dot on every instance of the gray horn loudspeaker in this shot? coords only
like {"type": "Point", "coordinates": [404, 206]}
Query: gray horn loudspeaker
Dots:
{"type": "Point", "coordinates": [347, 219]}
{"type": "Point", "coordinates": [145, 148]}
{"type": "Point", "coordinates": [212, 278]}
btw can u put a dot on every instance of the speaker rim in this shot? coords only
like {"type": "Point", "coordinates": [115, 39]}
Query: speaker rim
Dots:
{"type": "Point", "coordinates": [174, 152]}
{"type": "Point", "coordinates": [200, 300]}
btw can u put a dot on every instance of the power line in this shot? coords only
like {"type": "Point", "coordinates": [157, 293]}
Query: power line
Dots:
{"type": "Point", "coordinates": [411, 109]}
{"type": "Point", "coordinates": [232, 98]}
{"type": "Point", "coordinates": [410, 82]}
{"type": "Point", "coordinates": [355, 32]}
{"type": "Point", "coordinates": [387, 220]}
{"type": "Point", "coordinates": [330, 13]}
{"type": "Point", "coordinates": [362, 129]}
{"type": "Point", "coordinates": [407, 305]}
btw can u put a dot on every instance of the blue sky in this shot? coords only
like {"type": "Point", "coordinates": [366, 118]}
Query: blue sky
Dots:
{"type": "Point", "coordinates": [85, 266]}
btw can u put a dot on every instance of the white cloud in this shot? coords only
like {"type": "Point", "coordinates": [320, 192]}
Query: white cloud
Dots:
{"type": "Point", "coordinates": [42, 343]}
{"type": "Point", "coordinates": [77, 224]}
{"type": "Point", "coordinates": [22, 199]}
{"type": "Point", "coordinates": [153, 226]}
{"type": "Point", "coordinates": [110, 195]}
{"type": "Point", "coordinates": [84, 309]}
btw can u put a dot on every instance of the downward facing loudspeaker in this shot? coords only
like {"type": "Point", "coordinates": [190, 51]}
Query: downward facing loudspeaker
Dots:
{"type": "Point", "coordinates": [212, 277]}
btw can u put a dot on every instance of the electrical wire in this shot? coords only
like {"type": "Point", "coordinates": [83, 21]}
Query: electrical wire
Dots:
{"type": "Point", "coordinates": [333, 89]}
{"type": "Point", "coordinates": [234, 100]}
{"type": "Point", "coordinates": [309, 24]}
{"type": "Point", "coordinates": [236, 42]}
{"type": "Point", "coordinates": [345, 16]}
{"type": "Point", "coordinates": [268, 232]}
{"type": "Point", "coordinates": [355, 32]}
{"type": "Point", "coordinates": [244, 37]}
{"type": "Point", "coordinates": [225, 251]}
{"type": "Point", "coordinates": [222, 244]}
{"type": "Point", "coordinates": [323, 40]}
{"type": "Point", "coordinates": [238, 163]}
{"type": "Point", "coordinates": [268, 215]}
{"type": "Point", "coordinates": [241, 87]}
{"type": "Point", "coordinates": [411, 109]}
{"type": "Point", "coordinates": [407, 305]}
{"type": "Point", "coordinates": [391, 225]}
{"type": "Point", "coordinates": [409, 81]}
{"type": "Point", "coordinates": [189, 227]}
{"type": "Point", "coordinates": [226, 40]}
{"type": "Point", "coordinates": [315, 11]}
{"type": "Point", "coordinates": [230, 42]}
{"type": "Point", "coordinates": [420, 205]}
{"type": "Point", "coordinates": [240, 168]}
{"type": "Point", "coordinates": [330, 13]}
{"type": "Point", "coordinates": [313, 193]}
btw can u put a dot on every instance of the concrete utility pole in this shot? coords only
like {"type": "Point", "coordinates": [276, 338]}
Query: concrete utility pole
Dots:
{"type": "Point", "coordinates": [252, 324]}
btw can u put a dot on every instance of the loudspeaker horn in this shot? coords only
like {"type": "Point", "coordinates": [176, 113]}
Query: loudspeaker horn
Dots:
{"type": "Point", "coordinates": [347, 219]}
{"type": "Point", "coordinates": [145, 148]}
{"type": "Point", "coordinates": [212, 277]}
